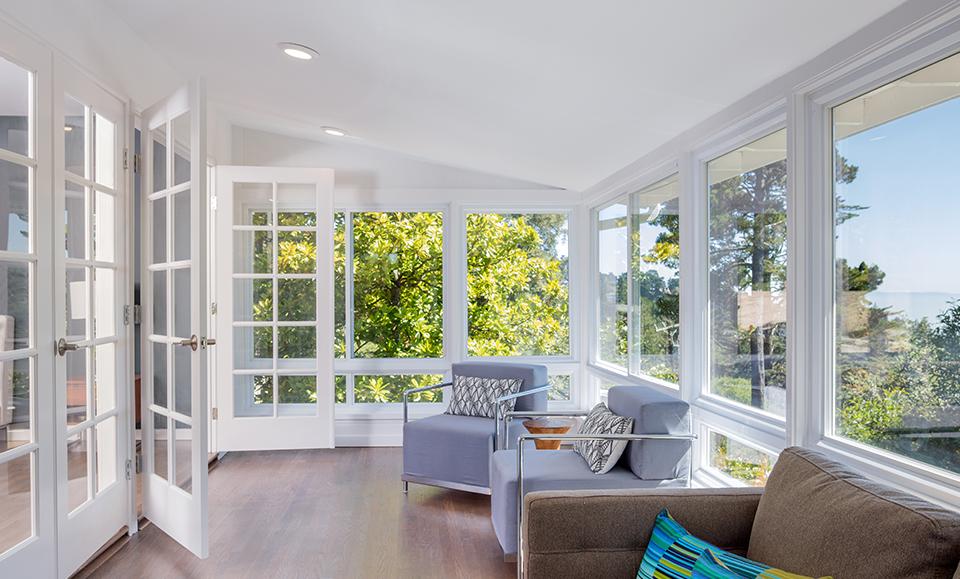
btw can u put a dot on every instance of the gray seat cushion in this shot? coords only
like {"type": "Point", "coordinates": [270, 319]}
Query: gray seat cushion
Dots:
{"type": "Point", "coordinates": [654, 412]}
{"type": "Point", "coordinates": [533, 375]}
{"type": "Point", "coordinates": [548, 470]}
{"type": "Point", "coordinates": [817, 517]}
{"type": "Point", "coordinates": [451, 449]}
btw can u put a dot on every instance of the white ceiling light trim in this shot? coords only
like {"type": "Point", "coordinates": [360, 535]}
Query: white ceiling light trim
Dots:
{"type": "Point", "coordinates": [298, 51]}
{"type": "Point", "coordinates": [334, 132]}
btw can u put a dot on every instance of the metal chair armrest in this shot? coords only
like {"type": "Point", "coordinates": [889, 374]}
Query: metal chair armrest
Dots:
{"type": "Point", "coordinates": [407, 393]}
{"type": "Point", "coordinates": [524, 437]}
{"type": "Point", "coordinates": [504, 398]}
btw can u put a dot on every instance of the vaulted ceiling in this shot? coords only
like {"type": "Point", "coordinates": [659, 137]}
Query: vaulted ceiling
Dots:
{"type": "Point", "coordinates": [558, 92]}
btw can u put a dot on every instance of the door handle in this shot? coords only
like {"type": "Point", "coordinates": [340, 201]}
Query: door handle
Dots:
{"type": "Point", "coordinates": [192, 342]}
{"type": "Point", "coordinates": [63, 346]}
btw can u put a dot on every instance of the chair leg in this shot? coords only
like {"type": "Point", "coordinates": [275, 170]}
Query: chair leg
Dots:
{"type": "Point", "coordinates": [406, 487]}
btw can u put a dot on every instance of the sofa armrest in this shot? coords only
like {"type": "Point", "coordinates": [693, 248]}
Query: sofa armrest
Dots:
{"type": "Point", "coordinates": [605, 533]}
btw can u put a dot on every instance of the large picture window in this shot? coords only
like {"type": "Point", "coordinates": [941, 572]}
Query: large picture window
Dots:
{"type": "Point", "coordinates": [612, 302]}
{"type": "Point", "coordinates": [897, 304]}
{"type": "Point", "coordinates": [747, 200]}
{"type": "Point", "coordinates": [518, 276]}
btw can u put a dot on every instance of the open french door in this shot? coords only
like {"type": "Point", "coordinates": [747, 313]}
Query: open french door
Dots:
{"type": "Point", "coordinates": [275, 308]}
{"type": "Point", "coordinates": [174, 326]}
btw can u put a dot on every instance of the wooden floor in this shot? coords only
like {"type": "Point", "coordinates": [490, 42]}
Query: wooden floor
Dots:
{"type": "Point", "coordinates": [324, 513]}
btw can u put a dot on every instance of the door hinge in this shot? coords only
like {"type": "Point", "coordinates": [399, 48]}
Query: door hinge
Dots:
{"type": "Point", "coordinates": [126, 163]}
{"type": "Point", "coordinates": [213, 308]}
{"type": "Point", "coordinates": [137, 161]}
{"type": "Point", "coordinates": [138, 463]}
{"type": "Point", "coordinates": [129, 469]}
{"type": "Point", "coordinates": [126, 315]}
{"type": "Point", "coordinates": [214, 413]}
{"type": "Point", "coordinates": [213, 203]}
{"type": "Point", "coordinates": [137, 314]}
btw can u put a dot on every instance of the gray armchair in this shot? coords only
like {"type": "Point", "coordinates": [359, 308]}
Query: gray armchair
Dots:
{"type": "Point", "coordinates": [454, 451]}
{"type": "Point", "coordinates": [657, 456]}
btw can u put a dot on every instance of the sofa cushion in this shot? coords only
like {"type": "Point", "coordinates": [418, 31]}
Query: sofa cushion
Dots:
{"type": "Point", "coordinates": [654, 412]}
{"type": "Point", "coordinates": [473, 396]}
{"type": "Point", "coordinates": [818, 517]}
{"type": "Point", "coordinates": [602, 455]}
{"type": "Point", "coordinates": [547, 470]}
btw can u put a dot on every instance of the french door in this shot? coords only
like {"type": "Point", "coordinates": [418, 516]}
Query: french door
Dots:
{"type": "Point", "coordinates": [174, 328]}
{"type": "Point", "coordinates": [275, 308]}
{"type": "Point", "coordinates": [90, 280]}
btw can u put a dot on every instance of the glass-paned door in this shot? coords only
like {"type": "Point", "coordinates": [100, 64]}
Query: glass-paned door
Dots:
{"type": "Point", "coordinates": [91, 276]}
{"type": "Point", "coordinates": [275, 314]}
{"type": "Point", "coordinates": [175, 341]}
{"type": "Point", "coordinates": [27, 449]}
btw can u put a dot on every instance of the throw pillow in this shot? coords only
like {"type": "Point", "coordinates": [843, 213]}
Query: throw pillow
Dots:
{"type": "Point", "coordinates": [673, 552]}
{"type": "Point", "coordinates": [602, 455]}
{"type": "Point", "coordinates": [473, 396]}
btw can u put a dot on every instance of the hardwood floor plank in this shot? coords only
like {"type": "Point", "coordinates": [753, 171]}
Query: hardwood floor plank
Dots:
{"type": "Point", "coordinates": [316, 514]}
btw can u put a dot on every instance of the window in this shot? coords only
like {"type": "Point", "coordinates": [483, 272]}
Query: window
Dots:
{"type": "Point", "coordinates": [612, 260]}
{"type": "Point", "coordinates": [655, 280]}
{"type": "Point", "coordinates": [897, 284]}
{"type": "Point", "coordinates": [517, 284]}
{"type": "Point", "coordinates": [739, 460]}
{"type": "Point", "coordinates": [747, 231]}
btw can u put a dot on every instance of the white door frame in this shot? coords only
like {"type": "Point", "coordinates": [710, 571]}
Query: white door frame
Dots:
{"type": "Point", "coordinates": [314, 429]}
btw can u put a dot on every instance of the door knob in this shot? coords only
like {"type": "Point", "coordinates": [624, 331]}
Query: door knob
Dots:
{"type": "Point", "coordinates": [192, 342]}
{"type": "Point", "coordinates": [63, 346]}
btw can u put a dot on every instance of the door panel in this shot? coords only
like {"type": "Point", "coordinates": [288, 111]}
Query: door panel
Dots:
{"type": "Point", "coordinates": [174, 327]}
{"type": "Point", "coordinates": [275, 308]}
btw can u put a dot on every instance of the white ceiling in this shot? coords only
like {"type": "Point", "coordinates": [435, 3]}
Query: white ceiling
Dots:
{"type": "Point", "coordinates": [559, 92]}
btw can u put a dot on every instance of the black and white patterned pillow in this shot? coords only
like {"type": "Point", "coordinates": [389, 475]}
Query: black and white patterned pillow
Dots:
{"type": "Point", "coordinates": [602, 455]}
{"type": "Point", "coordinates": [474, 396]}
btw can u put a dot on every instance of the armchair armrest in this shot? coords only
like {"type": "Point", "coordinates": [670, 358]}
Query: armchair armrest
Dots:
{"type": "Point", "coordinates": [504, 398]}
{"type": "Point", "coordinates": [603, 533]}
{"type": "Point", "coordinates": [407, 393]}
{"type": "Point", "coordinates": [521, 544]}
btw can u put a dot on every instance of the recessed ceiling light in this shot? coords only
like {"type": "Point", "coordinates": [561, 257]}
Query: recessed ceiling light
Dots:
{"type": "Point", "coordinates": [67, 128]}
{"type": "Point", "coordinates": [334, 132]}
{"type": "Point", "coordinates": [297, 51]}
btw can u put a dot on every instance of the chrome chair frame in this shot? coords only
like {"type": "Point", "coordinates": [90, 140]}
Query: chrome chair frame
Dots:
{"type": "Point", "coordinates": [498, 419]}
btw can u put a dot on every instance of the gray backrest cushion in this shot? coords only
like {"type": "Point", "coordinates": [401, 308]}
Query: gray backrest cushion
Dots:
{"type": "Point", "coordinates": [817, 517]}
{"type": "Point", "coordinates": [533, 375]}
{"type": "Point", "coordinates": [654, 412]}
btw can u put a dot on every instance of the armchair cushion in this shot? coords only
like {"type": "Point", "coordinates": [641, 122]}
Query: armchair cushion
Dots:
{"type": "Point", "coordinates": [654, 412]}
{"type": "Point", "coordinates": [532, 375]}
{"type": "Point", "coordinates": [473, 396]}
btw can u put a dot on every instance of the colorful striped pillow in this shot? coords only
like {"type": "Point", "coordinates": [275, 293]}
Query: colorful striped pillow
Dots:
{"type": "Point", "coordinates": [673, 553]}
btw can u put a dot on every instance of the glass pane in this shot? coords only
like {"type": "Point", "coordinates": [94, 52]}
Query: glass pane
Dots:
{"type": "Point", "coordinates": [15, 395]}
{"type": "Point", "coordinates": [297, 300]}
{"type": "Point", "coordinates": [297, 218]}
{"type": "Point", "coordinates": [105, 381]}
{"type": "Point", "coordinates": [339, 287]}
{"type": "Point", "coordinates": [253, 203]}
{"type": "Point", "coordinates": [105, 147]}
{"type": "Point", "coordinates": [106, 320]}
{"type": "Point", "coordinates": [181, 226]}
{"type": "Point", "coordinates": [14, 207]}
{"type": "Point", "coordinates": [159, 210]}
{"type": "Point", "coordinates": [104, 236]}
{"type": "Point", "coordinates": [16, 499]}
{"type": "Point", "coordinates": [182, 383]}
{"type": "Point", "coordinates": [183, 454]}
{"type": "Point", "coordinates": [340, 388]}
{"type": "Point", "coordinates": [297, 395]}
{"type": "Point", "coordinates": [159, 136]}
{"type": "Point", "coordinates": [560, 386]}
{"type": "Point", "coordinates": [181, 149]}
{"type": "Point", "coordinates": [181, 303]}
{"type": "Point", "coordinates": [517, 285]}
{"type": "Point", "coordinates": [160, 466]}
{"type": "Point", "coordinates": [14, 305]}
{"type": "Point", "coordinates": [160, 374]}
{"type": "Point", "coordinates": [612, 248]}
{"type": "Point", "coordinates": [740, 461]}
{"type": "Point", "coordinates": [106, 453]}
{"type": "Point", "coordinates": [897, 301]}
{"type": "Point", "coordinates": [252, 395]}
{"type": "Point", "coordinates": [252, 347]}
{"type": "Point", "coordinates": [160, 303]}
{"type": "Point", "coordinates": [74, 137]}
{"type": "Point", "coordinates": [76, 369]}
{"type": "Point", "coordinates": [253, 300]}
{"type": "Point", "coordinates": [398, 285]}
{"type": "Point", "coordinates": [75, 220]}
{"type": "Point", "coordinates": [253, 252]}
{"type": "Point", "coordinates": [297, 342]}
{"type": "Point", "coordinates": [78, 483]}
{"type": "Point", "coordinates": [389, 388]}
{"type": "Point", "coordinates": [748, 273]}
{"type": "Point", "coordinates": [77, 302]}
{"type": "Point", "coordinates": [655, 269]}
{"type": "Point", "coordinates": [296, 252]}
{"type": "Point", "coordinates": [14, 110]}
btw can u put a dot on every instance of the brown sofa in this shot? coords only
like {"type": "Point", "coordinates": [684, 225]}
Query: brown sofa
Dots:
{"type": "Point", "coordinates": [815, 517]}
